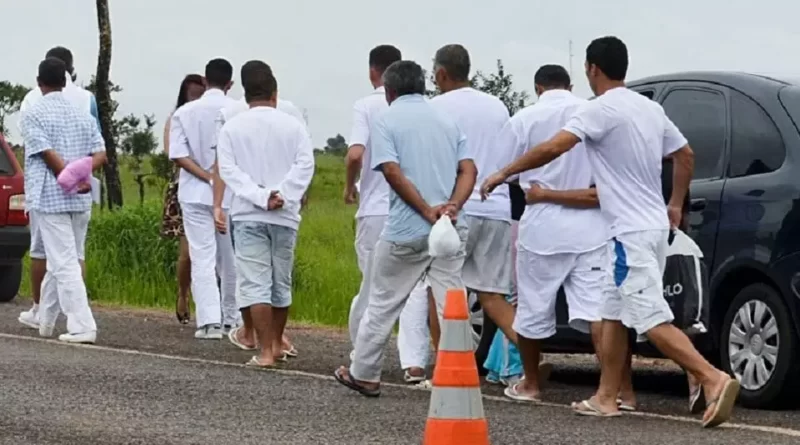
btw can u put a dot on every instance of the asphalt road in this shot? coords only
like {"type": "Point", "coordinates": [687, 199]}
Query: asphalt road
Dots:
{"type": "Point", "coordinates": [148, 381]}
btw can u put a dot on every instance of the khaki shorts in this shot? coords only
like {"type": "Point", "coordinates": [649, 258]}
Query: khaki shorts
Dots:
{"type": "Point", "coordinates": [487, 266]}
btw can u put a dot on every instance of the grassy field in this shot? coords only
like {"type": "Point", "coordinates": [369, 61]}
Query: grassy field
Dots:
{"type": "Point", "coordinates": [129, 263]}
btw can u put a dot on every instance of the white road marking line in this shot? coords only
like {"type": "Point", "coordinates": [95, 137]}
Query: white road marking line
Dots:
{"type": "Point", "coordinates": [289, 372]}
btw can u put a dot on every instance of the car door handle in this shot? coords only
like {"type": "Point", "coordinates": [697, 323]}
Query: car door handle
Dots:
{"type": "Point", "coordinates": [698, 204]}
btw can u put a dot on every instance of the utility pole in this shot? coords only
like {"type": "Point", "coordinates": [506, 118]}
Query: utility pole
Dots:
{"type": "Point", "coordinates": [570, 58]}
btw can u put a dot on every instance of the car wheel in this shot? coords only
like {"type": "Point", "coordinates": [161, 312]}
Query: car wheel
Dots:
{"type": "Point", "coordinates": [483, 330]}
{"type": "Point", "coordinates": [10, 279]}
{"type": "Point", "coordinates": [758, 344]}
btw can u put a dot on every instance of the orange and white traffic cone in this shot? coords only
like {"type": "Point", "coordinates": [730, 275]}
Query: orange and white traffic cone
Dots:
{"type": "Point", "coordinates": [455, 416]}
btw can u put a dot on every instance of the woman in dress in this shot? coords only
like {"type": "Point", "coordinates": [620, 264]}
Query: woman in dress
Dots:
{"type": "Point", "coordinates": [192, 87]}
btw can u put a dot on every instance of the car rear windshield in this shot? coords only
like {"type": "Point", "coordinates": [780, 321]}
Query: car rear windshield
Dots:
{"type": "Point", "coordinates": [790, 98]}
{"type": "Point", "coordinates": [6, 168]}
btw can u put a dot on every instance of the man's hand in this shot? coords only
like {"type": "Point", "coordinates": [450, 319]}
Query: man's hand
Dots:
{"type": "Point", "coordinates": [220, 220]}
{"type": "Point", "coordinates": [675, 214]}
{"type": "Point", "coordinates": [449, 209]}
{"type": "Point", "coordinates": [84, 188]}
{"type": "Point", "coordinates": [275, 201]}
{"type": "Point", "coordinates": [491, 183]}
{"type": "Point", "coordinates": [350, 195]}
{"type": "Point", "coordinates": [534, 194]}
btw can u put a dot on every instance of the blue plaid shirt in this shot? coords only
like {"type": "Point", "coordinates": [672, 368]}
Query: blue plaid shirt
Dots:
{"type": "Point", "coordinates": [53, 123]}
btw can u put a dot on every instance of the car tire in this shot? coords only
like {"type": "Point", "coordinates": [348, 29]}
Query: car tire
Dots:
{"type": "Point", "coordinates": [482, 351]}
{"type": "Point", "coordinates": [10, 280]}
{"type": "Point", "coordinates": [748, 338]}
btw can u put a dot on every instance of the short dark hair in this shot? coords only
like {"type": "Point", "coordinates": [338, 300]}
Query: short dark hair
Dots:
{"type": "Point", "coordinates": [552, 76]}
{"type": "Point", "coordinates": [258, 81]}
{"type": "Point", "coordinates": [455, 60]}
{"type": "Point", "coordinates": [610, 55]}
{"type": "Point", "coordinates": [52, 73]}
{"type": "Point", "coordinates": [219, 72]}
{"type": "Point", "coordinates": [63, 54]}
{"type": "Point", "coordinates": [382, 56]}
{"type": "Point", "coordinates": [404, 77]}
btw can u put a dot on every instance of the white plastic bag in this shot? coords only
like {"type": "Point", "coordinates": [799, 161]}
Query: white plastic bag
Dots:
{"type": "Point", "coordinates": [443, 240]}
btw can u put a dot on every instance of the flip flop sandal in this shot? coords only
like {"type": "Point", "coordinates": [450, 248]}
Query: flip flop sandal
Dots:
{"type": "Point", "coordinates": [723, 404]}
{"type": "Point", "coordinates": [696, 401]}
{"type": "Point", "coordinates": [512, 392]}
{"type": "Point", "coordinates": [235, 341]}
{"type": "Point", "coordinates": [425, 384]}
{"type": "Point", "coordinates": [350, 383]}
{"type": "Point", "coordinates": [282, 359]}
{"type": "Point", "coordinates": [413, 379]}
{"type": "Point", "coordinates": [625, 407]}
{"type": "Point", "coordinates": [291, 352]}
{"type": "Point", "coordinates": [587, 408]}
{"type": "Point", "coordinates": [255, 364]}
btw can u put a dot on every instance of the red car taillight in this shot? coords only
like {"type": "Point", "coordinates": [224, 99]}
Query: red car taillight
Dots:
{"type": "Point", "coordinates": [16, 211]}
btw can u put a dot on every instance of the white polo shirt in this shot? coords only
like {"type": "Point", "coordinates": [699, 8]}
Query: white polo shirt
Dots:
{"type": "Point", "coordinates": [193, 133]}
{"type": "Point", "coordinates": [481, 117]}
{"type": "Point", "coordinates": [626, 136]}
{"type": "Point", "coordinates": [373, 188]}
{"type": "Point", "coordinates": [547, 228]}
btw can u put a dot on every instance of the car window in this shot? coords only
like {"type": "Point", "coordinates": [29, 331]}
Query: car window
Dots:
{"type": "Point", "coordinates": [5, 164]}
{"type": "Point", "coordinates": [756, 144]}
{"type": "Point", "coordinates": [701, 117]}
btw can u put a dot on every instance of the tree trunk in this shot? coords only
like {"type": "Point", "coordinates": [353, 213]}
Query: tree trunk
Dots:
{"type": "Point", "coordinates": [104, 106]}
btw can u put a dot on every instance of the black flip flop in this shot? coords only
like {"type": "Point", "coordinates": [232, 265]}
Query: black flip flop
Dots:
{"type": "Point", "coordinates": [352, 384]}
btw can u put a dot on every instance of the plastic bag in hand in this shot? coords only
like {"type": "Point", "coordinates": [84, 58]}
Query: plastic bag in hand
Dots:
{"type": "Point", "coordinates": [74, 173]}
{"type": "Point", "coordinates": [443, 240]}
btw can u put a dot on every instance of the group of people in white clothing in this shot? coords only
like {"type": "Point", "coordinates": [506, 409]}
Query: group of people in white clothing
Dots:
{"type": "Point", "coordinates": [595, 222]}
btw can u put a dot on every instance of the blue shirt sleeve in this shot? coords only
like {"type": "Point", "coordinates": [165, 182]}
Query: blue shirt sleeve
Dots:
{"type": "Point", "coordinates": [93, 110]}
{"type": "Point", "coordinates": [382, 148]}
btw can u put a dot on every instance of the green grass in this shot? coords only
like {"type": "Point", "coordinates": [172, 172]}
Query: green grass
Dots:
{"type": "Point", "coordinates": [128, 263]}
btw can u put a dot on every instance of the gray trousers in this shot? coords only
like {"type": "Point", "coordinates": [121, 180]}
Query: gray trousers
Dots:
{"type": "Point", "coordinates": [395, 270]}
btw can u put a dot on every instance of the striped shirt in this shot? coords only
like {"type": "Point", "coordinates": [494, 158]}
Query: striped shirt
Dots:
{"type": "Point", "coordinates": [53, 123]}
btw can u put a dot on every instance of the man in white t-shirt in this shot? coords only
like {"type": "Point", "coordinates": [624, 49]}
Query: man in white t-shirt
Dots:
{"type": "Point", "coordinates": [626, 136]}
{"type": "Point", "coordinates": [84, 100]}
{"type": "Point", "coordinates": [561, 241]}
{"type": "Point", "coordinates": [372, 196]}
{"type": "Point", "coordinates": [487, 267]}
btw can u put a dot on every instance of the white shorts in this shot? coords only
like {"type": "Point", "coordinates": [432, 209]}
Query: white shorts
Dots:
{"type": "Point", "coordinates": [635, 286]}
{"type": "Point", "coordinates": [541, 276]}
{"type": "Point", "coordinates": [80, 228]}
{"type": "Point", "coordinates": [487, 267]}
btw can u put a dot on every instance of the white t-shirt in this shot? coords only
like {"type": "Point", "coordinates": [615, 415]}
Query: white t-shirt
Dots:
{"type": "Point", "coordinates": [241, 105]}
{"type": "Point", "coordinates": [547, 228]}
{"type": "Point", "coordinates": [372, 187]}
{"type": "Point", "coordinates": [481, 117]}
{"type": "Point", "coordinates": [627, 135]}
{"type": "Point", "coordinates": [74, 94]}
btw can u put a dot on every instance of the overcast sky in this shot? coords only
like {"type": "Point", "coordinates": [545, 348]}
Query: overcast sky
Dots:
{"type": "Point", "coordinates": [318, 49]}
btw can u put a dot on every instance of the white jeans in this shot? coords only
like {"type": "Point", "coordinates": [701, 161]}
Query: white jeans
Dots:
{"type": "Point", "coordinates": [413, 340]}
{"type": "Point", "coordinates": [211, 252]}
{"type": "Point", "coordinates": [63, 289]}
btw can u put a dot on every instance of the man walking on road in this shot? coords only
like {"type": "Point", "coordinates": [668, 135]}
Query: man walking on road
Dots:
{"type": "Point", "coordinates": [372, 197]}
{"type": "Point", "coordinates": [267, 159]}
{"type": "Point", "coordinates": [423, 156]}
{"type": "Point", "coordinates": [83, 100]}
{"type": "Point", "coordinates": [193, 140]}
{"type": "Point", "coordinates": [626, 136]}
{"type": "Point", "coordinates": [561, 236]}
{"type": "Point", "coordinates": [56, 132]}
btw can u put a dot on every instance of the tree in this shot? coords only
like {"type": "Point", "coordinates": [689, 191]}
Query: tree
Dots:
{"type": "Point", "coordinates": [11, 96]}
{"type": "Point", "coordinates": [336, 145]}
{"type": "Point", "coordinates": [137, 142]}
{"type": "Point", "coordinates": [105, 106]}
{"type": "Point", "coordinates": [499, 84]}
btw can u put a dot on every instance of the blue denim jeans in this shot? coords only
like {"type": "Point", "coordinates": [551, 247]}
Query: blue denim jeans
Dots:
{"type": "Point", "coordinates": [264, 262]}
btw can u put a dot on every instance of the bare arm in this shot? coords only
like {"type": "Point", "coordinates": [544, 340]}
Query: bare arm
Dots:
{"type": "Point", "coordinates": [406, 190]}
{"type": "Point", "coordinates": [683, 170]}
{"type": "Point", "coordinates": [542, 154]}
{"type": "Point", "coordinates": [219, 186]}
{"type": "Point", "coordinates": [179, 151]}
{"type": "Point", "coordinates": [353, 163]}
{"type": "Point", "coordinates": [581, 198]}
{"type": "Point", "coordinates": [465, 182]}
{"type": "Point", "coordinates": [99, 159]}
{"type": "Point", "coordinates": [53, 161]}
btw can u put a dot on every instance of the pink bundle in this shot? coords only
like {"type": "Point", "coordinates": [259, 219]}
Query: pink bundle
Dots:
{"type": "Point", "coordinates": [75, 173]}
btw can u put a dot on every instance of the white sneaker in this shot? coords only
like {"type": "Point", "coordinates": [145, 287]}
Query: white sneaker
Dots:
{"type": "Point", "coordinates": [46, 331]}
{"type": "Point", "coordinates": [30, 318]}
{"type": "Point", "coordinates": [209, 332]}
{"type": "Point", "coordinates": [86, 337]}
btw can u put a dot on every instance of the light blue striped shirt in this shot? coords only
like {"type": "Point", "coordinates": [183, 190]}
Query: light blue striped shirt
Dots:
{"type": "Point", "coordinates": [428, 147]}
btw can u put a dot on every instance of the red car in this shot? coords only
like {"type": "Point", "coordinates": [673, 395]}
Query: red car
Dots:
{"type": "Point", "coordinates": [15, 237]}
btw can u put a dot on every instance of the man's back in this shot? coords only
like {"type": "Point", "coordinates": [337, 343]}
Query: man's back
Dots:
{"type": "Point", "coordinates": [481, 117]}
{"type": "Point", "coordinates": [428, 147]}
{"type": "Point", "coordinates": [373, 188]}
{"type": "Point", "coordinates": [627, 135]}
{"type": "Point", "coordinates": [552, 228]}
{"type": "Point", "coordinates": [77, 96]}
{"type": "Point", "coordinates": [193, 133]}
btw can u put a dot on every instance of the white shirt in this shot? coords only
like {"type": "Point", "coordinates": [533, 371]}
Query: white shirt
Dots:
{"type": "Point", "coordinates": [72, 93]}
{"type": "Point", "coordinates": [261, 150]}
{"type": "Point", "coordinates": [627, 135]}
{"type": "Point", "coordinates": [547, 228]}
{"type": "Point", "coordinates": [481, 117]}
{"type": "Point", "coordinates": [239, 106]}
{"type": "Point", "coordinates": [372, 186]}
{"type": "Point", "coordinates": [193, 134]}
